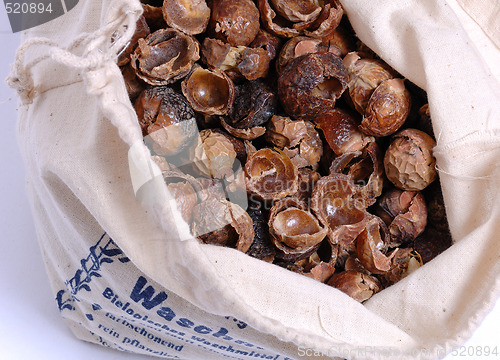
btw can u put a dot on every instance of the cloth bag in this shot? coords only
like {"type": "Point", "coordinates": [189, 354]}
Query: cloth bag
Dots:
{"type": "Point", "coordinates": [123, 278]}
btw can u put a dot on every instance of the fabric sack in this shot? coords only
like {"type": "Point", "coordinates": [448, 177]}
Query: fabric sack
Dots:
{"type": "Point", "coordinates": [124, 275]}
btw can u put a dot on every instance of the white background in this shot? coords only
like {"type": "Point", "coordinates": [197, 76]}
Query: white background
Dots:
{"type": "Point", "coordinates": [30, 325]}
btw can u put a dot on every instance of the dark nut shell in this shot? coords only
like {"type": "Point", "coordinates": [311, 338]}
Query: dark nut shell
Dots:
{"type": "Point", "coordinates": [432, 242]}
{"type": "Point", "coordinates": [255, 103]}
{"type": "Point", "coordinates": [357, 285]}
{"type": "Point", "coordinates": [405, 213]}
{"type": "Point", "coordinates": [190, 17]}
{"type": "Point", "coordinates": [302, 45]}
{"type": "Point", "coordinates": [309, 85]}
{"type": "Point", "coordinates": [335, 204]}
{"type": "Point", "coordinates": [167, 118]}
{"type": "Point", "coordinates": [297, 138]}
{"type": "Point", "coordinates": [254, 63]}
{"type": "Point", "coordinates": [219, 54]}
{"type": "Point", "coordinates": [341, 131]}
{"type": "Point", "coordinates": [387, 109]}
{"type": "Point", "coordinates": [235, 21]}
{"type": "Point", "coordinates": [165, 56]}
{"type": "Point", "coordinates": [371, 246]}
{"type": "Point", "coordinates": [343, 38]}
{"type": "Point", "coordinates": [365, 168]}
{"type": "Point", "coordinates": [270, 174]}
{"type": "Point", "coordinates": [292, 18]}
{"type": "Point", "coordinates": [209, 91]}
{"type": "Point", "coordinates": [262, 247]}
{"type": "Point", "coordinates": [409, 163]}
{"type": "Point", "coordinates": [365, 75]}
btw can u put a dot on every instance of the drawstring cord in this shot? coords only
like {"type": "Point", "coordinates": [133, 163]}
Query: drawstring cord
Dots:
{"type": "Point", "coordinates": [93, 57]}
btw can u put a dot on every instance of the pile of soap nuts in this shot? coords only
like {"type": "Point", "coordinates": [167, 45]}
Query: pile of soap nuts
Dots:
{"type": "Point", "coordinates": [334, 146]}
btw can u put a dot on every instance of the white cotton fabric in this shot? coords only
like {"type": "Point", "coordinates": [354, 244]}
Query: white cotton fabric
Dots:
{"type": "Point", "coordinates": [76, 127]}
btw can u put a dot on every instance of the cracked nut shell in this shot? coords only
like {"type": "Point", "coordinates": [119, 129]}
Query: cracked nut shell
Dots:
{"type": "Point", "coordinates": [297, 138]}
{"type": "Point", "coordinates": [365, 75]}
{"type": "Point", "coordinates": [371, 247]}
{"type": "Point", "coordinates": [357, 285]}
{"type": "Point", "coordinates": [235, 21]}
{"type": "Point", "coordinates": [387, 108]}
{"type": "Point", "coordinates": [409, 163]}
{"type": "Point", "coordinates": [310, 85]}
{"type": "Point", "coordinates": [189, 16]}
{"type": "Point", "coordinates": [270, 174]}
{"type": "Point", "coordinates": [165, 56]}
{"type": "Point", "coordinates": [405, 213]}
{"type": "Point", "coordinates": [335, 204]}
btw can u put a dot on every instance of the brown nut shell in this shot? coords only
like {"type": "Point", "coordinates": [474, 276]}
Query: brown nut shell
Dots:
{"type": "Point", "coordinates": [297, 138]}
{"type": "Point", "coordinates": [357, 285]}
{"type": "Point", "coordinates": [365, 168]}
{"type": "Point", "coordinates": [387, 108]}
{"type": "Point", "coordinates": [409, 163]}
{"type": "Point", "coordinates": [371, 246]}
{"type": "Point", "coordinates": [302, 45]}
{"type": "Point", "coordinates": [365, 75]}
{"type": "Point", "coordinates": [235, 21]}
{"type": "Point", "coordinates": [405, 213]}
{"type": "Point", "coordinates": [310, 85]}
{"type": "Point", "coordinates": [274, 22]}
{"type": "Point", "coordinates": [210, 92]}
{"type": "Point", "coordinates": [165, 56]}
{"type": "Point", "coordinates": [341, 131]}
{"type": "Point", "coordinates": [189, 16]}
{"type": "Point", "coordinates": [335, 204]}
{"type": "Point", "coordinates": [270, 174]}
{"type": "Point", "coordinates": [293, 229]}
{"type": "Point", "coordinates": [328, 20]}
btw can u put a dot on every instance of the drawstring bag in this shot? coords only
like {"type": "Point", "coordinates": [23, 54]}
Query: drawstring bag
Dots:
{"type": "Point", "coordinates": [126, 276]}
